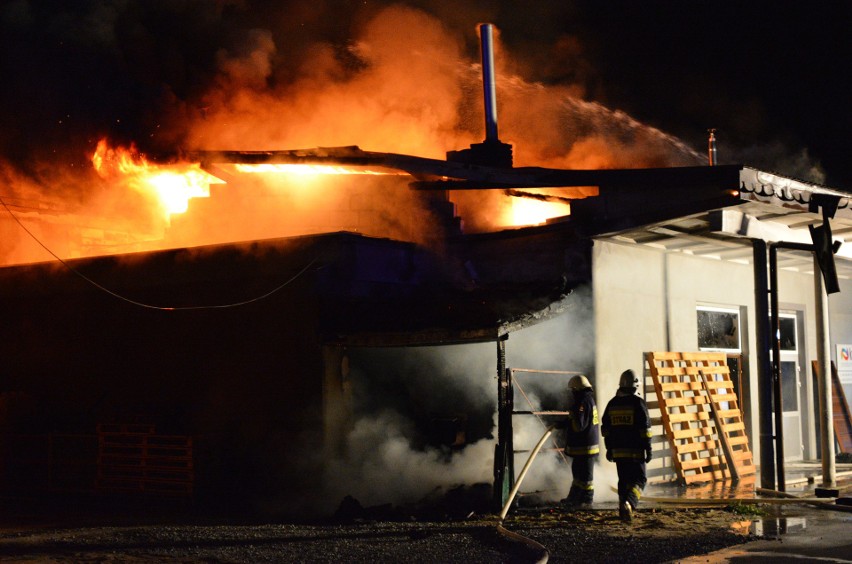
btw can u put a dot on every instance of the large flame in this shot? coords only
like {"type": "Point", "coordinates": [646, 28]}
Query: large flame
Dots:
{"type": "Point", "coordinates": [534, 212]}
{"type": "Point", "coordinates": [171, 186]}
{"type": "Point", "coordinates": [375, 98]}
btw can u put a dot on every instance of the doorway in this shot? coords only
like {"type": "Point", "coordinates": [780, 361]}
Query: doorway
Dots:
{"type": "Point", "coordinates": [791, 385]}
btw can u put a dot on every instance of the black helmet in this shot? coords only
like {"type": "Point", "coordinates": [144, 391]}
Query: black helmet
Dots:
{"type": "Point", "coordinates": [628, 380]}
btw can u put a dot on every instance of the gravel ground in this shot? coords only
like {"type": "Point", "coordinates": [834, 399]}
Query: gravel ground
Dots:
{"type": "Point", "coordinates": [596, 535]}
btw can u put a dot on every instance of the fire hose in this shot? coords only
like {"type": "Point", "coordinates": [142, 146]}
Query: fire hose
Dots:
{"type": "Point", "coordinates": [515, 536]}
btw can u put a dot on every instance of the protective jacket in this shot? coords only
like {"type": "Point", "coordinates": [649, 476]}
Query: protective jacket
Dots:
{"type": "Point", "coordinates": [626, 426]}
{"type": "Point", "coordinates": [583, 426]}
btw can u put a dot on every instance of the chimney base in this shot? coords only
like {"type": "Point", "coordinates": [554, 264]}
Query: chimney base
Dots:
{"type": "Point", "coordinates": [488, 153]}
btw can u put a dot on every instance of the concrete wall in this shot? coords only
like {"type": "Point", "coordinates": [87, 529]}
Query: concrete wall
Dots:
{"type": "Point", "coordinates": [629, 304]}
{"type": "Point", "coordinates": [840, 313]}
{"type": "Point", "coordinates": [645, 300]}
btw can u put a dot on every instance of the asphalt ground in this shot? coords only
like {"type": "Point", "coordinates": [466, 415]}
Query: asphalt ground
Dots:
{"type": "Point", "coordinates": [595, 535]}
{"type": "Point", "coordinates": [677, 528]}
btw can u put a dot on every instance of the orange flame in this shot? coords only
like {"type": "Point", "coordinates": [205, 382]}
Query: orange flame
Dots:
{"type": "Point", "coordinates": [534, 212]}
{"type": "Point", "coordinates": [311, 169]}
{"type": "Point", "coordinates": [170, 185]}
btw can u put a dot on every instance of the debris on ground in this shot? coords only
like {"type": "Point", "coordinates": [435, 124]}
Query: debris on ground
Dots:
{"type": "Point", "coordinates": [595, 535]}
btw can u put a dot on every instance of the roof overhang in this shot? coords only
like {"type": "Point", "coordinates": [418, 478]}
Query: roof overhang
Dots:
{"type": "Point", "coordinates": [768, 207]}
{"type": "Point", "coordinates": [708, 211]}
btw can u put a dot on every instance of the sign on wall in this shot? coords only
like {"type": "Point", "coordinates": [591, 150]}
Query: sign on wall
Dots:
{"type": "Point", "coordinates": [844, 363]}
{"type": "Point", "coordinates": [844, 368]}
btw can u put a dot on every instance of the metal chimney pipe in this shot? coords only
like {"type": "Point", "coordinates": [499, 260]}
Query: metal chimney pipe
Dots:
{"type": "Point", "coordinates": [491, 152]}
{"type": "Point", "coordinates": [711, 147]}
{"type": "Point", "coordinates": [486, 37]}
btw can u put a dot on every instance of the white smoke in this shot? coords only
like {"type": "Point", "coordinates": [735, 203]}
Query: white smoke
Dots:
{"type": "Point", "coordinates": [397, 392]}
{"type": "Point", "coordinates": [776, 156]}
{"type": "Point", "coordinates": [549, 474]}
{"type": "Point", "coordinates": [382, 467]}
{"type": "Point", "coordinates": [566, 344]}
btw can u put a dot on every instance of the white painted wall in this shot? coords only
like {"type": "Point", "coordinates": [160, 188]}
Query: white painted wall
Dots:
{"type": "Point", "coordinates": [645, 300]}
{"type": "Point", "coordinates": [840, 318]}
{"type": "Point", "coordinates": [627, 287]}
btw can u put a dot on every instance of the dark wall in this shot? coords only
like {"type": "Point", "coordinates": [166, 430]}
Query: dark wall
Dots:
{"type": "Point", "coordinates": [244, 381]}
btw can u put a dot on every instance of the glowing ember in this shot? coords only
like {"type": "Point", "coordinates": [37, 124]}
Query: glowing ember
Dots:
{"type": "Point", "coordinates": [533, 212]}
{"type": "Point", "coordinates": [171, 185]}
{"type": "Point", "coordinates": [309, 169]}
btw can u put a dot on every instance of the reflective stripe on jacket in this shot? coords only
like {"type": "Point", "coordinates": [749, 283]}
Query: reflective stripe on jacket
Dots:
{"type": "Point", "coordinates": [626, 425]}
{"type": "Point", "coordinates": [583, 426]}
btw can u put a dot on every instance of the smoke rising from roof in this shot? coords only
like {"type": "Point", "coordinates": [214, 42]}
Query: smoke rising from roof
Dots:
{"type": "Point", "coordinates": [156, 72]}
{"type": "Point", "coordinates": [162, 78]}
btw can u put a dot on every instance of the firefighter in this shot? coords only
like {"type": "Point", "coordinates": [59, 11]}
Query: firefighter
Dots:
{"type": "Point", "coordinates": [582, 445]}
{"type": "Point", "coordinates": [626, 428]}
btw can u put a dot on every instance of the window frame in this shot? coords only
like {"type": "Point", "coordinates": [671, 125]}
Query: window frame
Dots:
{"type": "Point", "coordinates": [719, 309]}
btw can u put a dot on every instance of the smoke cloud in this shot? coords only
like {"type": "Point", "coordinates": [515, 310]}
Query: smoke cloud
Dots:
{"type": "Point", "coordinates": [399, 451]}
{"type": "Point", "coordinates": [382, 467]}
{"type": "Point", "coordinates": [161, 78]}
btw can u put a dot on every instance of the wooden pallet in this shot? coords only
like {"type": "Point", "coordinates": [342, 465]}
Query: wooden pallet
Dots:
{"type": "Point", "coordinates": [136, 460]}
{"type": "Point", "coordinates": [840, 409]}
{"type": "Point", "coordinates": [700, 415]}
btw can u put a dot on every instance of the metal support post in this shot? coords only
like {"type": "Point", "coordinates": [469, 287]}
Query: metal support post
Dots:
{"type": "Point", "coordinates": [764, 365]}
{"type": "Point", "coordinates": [776, 368]}
{"type": "Point", "coordinates": [776, 349]}
{"type": "Point", "coordinates": [504, 450]}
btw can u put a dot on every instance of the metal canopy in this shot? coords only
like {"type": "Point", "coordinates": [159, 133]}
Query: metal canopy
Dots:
{"type": "Point", "coordinates": [772, 208]}
{"type": "Point", "coordinates": [700, 235]}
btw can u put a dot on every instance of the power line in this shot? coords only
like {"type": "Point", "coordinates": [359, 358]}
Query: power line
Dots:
{"type": "Point", "coordinates": [142, 304]}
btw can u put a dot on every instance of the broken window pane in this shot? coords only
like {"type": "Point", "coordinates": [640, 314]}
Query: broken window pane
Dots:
{"type": "Point", "coordinates": [787, 327]}
{"type": "Point", "coordinates": [718, 329]}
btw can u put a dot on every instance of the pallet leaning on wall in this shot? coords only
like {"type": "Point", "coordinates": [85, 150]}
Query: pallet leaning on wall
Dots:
{"type": "Point", "coordinates": [840, 409]}
{"type": "Point", "coordinates": [694, 390]}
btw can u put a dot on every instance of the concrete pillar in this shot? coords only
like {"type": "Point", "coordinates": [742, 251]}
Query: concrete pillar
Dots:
{"type": "Point", "coordinates": [826, 411]}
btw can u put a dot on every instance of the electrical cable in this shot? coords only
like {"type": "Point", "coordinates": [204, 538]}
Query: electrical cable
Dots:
{"type": "Point", "coordinates": [142, 304]}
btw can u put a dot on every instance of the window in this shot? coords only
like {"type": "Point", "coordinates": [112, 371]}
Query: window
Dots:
{"type": "Point", "coordinates": [789, 362]}
{"type": "Point", "coordinates": [787, 331]}
{"type": "Point", "coordinates": [718, 329]}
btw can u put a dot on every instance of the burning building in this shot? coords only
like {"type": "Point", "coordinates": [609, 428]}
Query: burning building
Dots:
{"type": "Point", "coordinates": [229, 343]}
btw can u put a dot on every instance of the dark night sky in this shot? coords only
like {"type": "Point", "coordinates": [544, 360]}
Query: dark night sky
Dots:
{"type": "Point", "coordinates": [771, 77]}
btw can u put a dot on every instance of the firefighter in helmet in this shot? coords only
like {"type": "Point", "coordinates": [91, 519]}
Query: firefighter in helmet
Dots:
{"type": "Point", "coordinates": [582, 445]}
{"type": "Point", "coordinates": [626, 428]}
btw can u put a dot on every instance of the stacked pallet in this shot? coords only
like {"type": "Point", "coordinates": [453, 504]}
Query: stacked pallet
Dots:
{"type": "Point", "coordinates": [700, 416]}
{"type": "Point", "coordinates": [133, 458]}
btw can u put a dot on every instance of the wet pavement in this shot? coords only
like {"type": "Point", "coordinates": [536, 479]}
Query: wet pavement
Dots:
{"type": "Point", "coordinates": [801, 535]}
{"type": "Point", "coordinates": [795, 532]}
